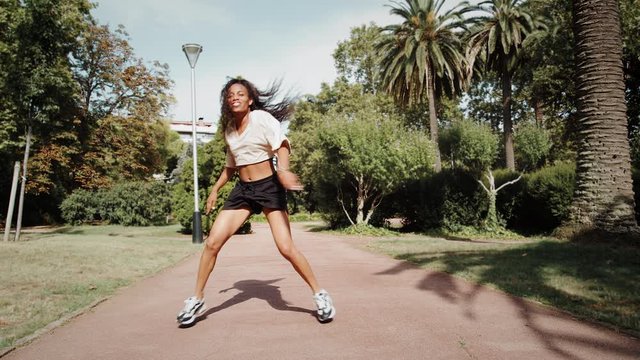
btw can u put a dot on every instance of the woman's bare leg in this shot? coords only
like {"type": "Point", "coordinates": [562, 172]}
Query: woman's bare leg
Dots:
{"type": "Point", "coordinates": [226, 224]}
{"type": "Point", "coordinates": [281, 230]}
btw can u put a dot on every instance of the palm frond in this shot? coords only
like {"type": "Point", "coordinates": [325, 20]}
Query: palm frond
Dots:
{"type": "Point", "coordinates": [418, 57]}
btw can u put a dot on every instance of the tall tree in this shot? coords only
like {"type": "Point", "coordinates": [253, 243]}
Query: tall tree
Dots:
{"type": "Point", "coordinates": [361, 153]}
{"type": "Point", "coordinates": [122, 149]}
{"type": "Point", "coordinates": [547, 79]}
{"type": "Point", "coordinates": [113, 81]}
{"type": "Point", "coordinates": [603, 199]}
{"type": "Point", "coordinates": [498, 39]}
{"type": "Point", "coordinates": [10, 15]}
{"type": "Point", "coordinates": [355, 59]}
{"type": "Point", "coordinates": [37, 91]}
{"type": "Point", "coordinates": [547, 76]}
{"type": "Point", "coordinates": [36, 86]}
{"type": "Point", "coordinates": [422, 56]}
{"type": "Point", "coordinates": [121, 101]}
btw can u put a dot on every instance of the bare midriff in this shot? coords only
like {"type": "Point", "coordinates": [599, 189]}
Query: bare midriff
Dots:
{"type": "Point", "coordinates": [257, 171]}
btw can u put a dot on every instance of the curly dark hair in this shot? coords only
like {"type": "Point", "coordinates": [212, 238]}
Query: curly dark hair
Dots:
{"type": "Point", "coordinates": [262, 100]}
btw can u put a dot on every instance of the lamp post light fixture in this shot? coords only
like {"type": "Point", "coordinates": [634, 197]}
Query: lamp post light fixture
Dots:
{"type": "Point", "coordinates": [193, 51]}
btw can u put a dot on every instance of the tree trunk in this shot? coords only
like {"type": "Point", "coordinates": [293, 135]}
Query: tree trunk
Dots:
{"type": "Point", "coordinates": [12, 200]}
{"type": "Point", "coordinates": [491, 221]}
{"type": "Point", "coordinates": [506, 118]}
{"type": "Point", "coordinates": [603, 199]}
{"type": "Point", "coordinates": [433, 120]}
{"type": "Point", "coordinates": [361, 198]}
{"type": "Point", "coordinates": [23, 185]}
{"type": "Point", "coordinates": [360, 213]}
{"type": "Point", "coordinates": [537, 110]}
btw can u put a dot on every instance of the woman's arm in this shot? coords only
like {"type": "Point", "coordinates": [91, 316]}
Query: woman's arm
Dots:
{"type": "Point", "coordinates": [288, 179]}
{"type": "Point", "coordinates": [224, 177]}
{"type": "Point", "coordinates": [283, 156]}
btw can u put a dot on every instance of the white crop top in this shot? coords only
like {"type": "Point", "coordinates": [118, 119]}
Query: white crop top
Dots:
{"type": "Point", "coordinates": [258, 142]}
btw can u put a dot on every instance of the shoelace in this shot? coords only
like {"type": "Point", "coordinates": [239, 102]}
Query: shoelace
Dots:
{"type": "Point", "coordinates": [321, 302]}
{"type": "Point", "coordinates": [189, 304]}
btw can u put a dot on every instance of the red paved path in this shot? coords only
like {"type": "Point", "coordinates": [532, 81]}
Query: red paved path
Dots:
{"type": "Point", "coordinates": [260, 309]}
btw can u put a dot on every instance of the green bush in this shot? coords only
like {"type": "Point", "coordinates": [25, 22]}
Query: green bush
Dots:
{"type": "Point", "coordinates": [325, 196]}
{"type": "Point", "coordinates": [182, 205]}
{"type": "Point", "coordinates": [130, 204]}
{"type": "Point", "coordinates": [542, 201]}
{"type": "Point", "coordinates": [532, 145]}
{"type": "Point", "coordinates": [357, 156]}
{"type": "Point", "coordinates": [450, 199]}
{"type": "Point", "coordinates": [453, 200]}
{"type": "Point", "coordinates": [82, 206]}
{"type": "Point", "coordinates": [137, 203]}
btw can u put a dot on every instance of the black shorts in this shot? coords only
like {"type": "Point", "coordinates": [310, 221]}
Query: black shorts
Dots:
{"type": "Point", "coordinates": [256, 195]}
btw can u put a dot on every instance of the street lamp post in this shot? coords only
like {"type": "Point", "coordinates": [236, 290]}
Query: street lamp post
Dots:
{"type": "Point", "coordinates": [193, 51]}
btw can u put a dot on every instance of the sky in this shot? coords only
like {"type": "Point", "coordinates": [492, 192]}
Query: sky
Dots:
{"type": "Point", "coordinates": [260, 40]}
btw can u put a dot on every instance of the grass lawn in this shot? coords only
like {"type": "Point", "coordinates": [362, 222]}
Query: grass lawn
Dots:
{"type": "Point", "coordinates": [297, 217]}
{"type": "Point", "coordinates": [49, 276]}
{"type": "Point", "coordinates": [592, 281]}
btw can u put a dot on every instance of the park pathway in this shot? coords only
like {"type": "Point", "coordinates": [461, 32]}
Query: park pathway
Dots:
{"type": "Point", "coordinates": [260, 309]}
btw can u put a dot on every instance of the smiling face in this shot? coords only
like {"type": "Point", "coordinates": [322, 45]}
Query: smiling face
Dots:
{"type": "Point", "coordinates": [238, 99]}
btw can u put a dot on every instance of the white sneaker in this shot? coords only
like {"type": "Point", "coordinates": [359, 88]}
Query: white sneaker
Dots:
{"type": "Point", "coordinates": [326, 311]}
{"type": "Point", "coordinates": [192, 308]}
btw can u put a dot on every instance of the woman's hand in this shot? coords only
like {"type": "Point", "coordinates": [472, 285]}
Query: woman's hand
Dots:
{"type": "Point", "coordinates": [289, 180]}
{"type": "Point", "coordinates": [211, 202]}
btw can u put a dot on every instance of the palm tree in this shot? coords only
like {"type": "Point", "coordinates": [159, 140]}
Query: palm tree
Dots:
{"type": "Point", "coordinates": [604, 194]}
{"type": "Point", "coordinates": [423, 56]}
{"type": "Point", "coordinates": [498, 40]}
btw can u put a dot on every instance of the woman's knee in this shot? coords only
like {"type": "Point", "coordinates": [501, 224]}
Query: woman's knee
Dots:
{"type": "Point", "coordinates": [288, 251]}
{"type": "Point", "coordinates": [213, 244]}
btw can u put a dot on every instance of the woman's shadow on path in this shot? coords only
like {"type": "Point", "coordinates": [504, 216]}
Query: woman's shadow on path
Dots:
{"type": "Point", "coordinates": [256, 289]}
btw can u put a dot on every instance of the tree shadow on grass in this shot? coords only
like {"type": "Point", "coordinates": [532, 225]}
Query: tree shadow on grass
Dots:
{"type": "Point", "coordinates": [610, 272]}
{"type": "Point", "coordinates": [256, 289]}
{"type": "Point", "coordinates": [31, 234]}
{"type": "Point", "coordinates": [72, 231]}
{"type": "Point", "coordinates": [316, 228]}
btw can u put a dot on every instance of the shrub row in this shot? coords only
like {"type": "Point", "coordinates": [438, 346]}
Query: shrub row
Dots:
{"type": "Point", "coordinates": [131, 204]}
{"type": "Point", "coordinates": [450, 198]}
{"type": "Point", "coordinates": [537, 203]}
{"type": "Point", "coordinates": [540, 201]}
